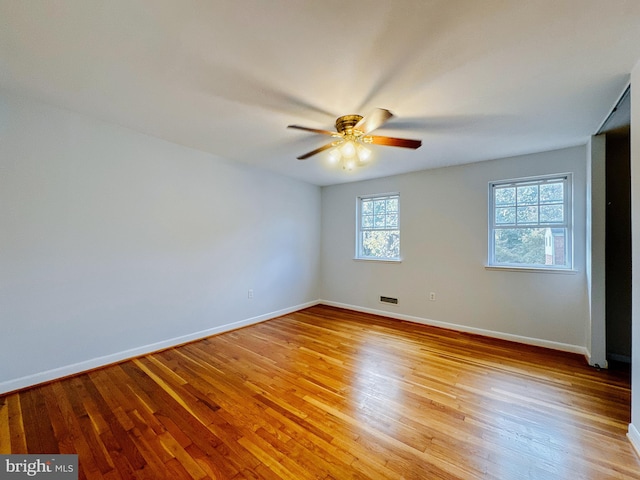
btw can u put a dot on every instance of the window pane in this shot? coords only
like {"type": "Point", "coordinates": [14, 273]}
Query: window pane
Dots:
{"type": "Point", "coordinates": [392, 205]}
{"type": "Point", "coordinates": [520, 246]}
{"type": "Point", "coordinates": [367, 221]}
{"type": "Point", "coordinates": [378, 221]}
{"type": "Point", "coordinates": [551, 193]}
{"type": "Point", "coordinates": [551, 213]}
{"type": "Point", "coordinates": [530, 246]}
{"type": "Point", "coordinates": [392, 220]}
{"type": "Point", "coordinates": [527, 215]}
{"type": "Point", "coordinates": [527, 195]}
{"type": "Point", "coordinates": [505, 215]}
{"type": "Point", "coordinates": [379, 206]}
{"type": "Point", "coordinates": [505, 196]}
{"type": "Point", "coordinates": [367, 207]}
{"type": "Point", "coordinates": [381, 244]}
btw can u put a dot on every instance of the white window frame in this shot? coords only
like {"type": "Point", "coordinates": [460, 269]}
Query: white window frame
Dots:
{"type": "Point", "coordinates": [360, 229]}
{"type": "Point", "coordinates": [567, 224]}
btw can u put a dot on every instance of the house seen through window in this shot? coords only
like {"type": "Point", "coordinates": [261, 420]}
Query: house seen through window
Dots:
{"type": "Point", "coordinates": [378, 227]}
{"type": "Point", "coordinates": [530, 222]}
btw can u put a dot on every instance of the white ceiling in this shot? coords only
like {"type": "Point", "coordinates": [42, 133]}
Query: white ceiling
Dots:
{"type": "Point", "coordinates": [474, 80]}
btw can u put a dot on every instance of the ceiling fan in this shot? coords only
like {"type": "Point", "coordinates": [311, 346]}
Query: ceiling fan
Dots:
{"type": "Point", "coordinates": [352, 135]}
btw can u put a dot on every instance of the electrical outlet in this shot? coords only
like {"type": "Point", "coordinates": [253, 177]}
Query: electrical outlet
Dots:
{"type": "Point", "coordinates": [432, 296]}
{"type": "Point", "coordinates": [250, 294]}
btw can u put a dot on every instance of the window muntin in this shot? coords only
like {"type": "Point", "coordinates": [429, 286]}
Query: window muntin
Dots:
{"type": "Point", "coordinates": [530, 222]}
{"type": "Point", "coordinates": [378, 227]}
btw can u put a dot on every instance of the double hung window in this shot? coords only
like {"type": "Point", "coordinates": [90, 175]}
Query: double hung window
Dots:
{"type": "Point", "coordinates": [378, 227]}
{"type": "Point", "coordinates": [530, 222]}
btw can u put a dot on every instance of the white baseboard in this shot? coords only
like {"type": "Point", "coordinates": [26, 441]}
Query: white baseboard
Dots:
{"type": "Point", "coordinates": [634, 437]}
{"type": "Point", "coordinates": [90, 364]}
{"type": "Point", "coordinates": [565, 347]}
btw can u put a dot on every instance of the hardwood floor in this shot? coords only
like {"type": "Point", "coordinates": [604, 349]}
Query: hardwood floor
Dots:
{"type": "Point", "coordinates": [332, 394]}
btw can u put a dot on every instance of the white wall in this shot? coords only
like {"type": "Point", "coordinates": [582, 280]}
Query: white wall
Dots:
{"type": "Point", "coordinates": [113, 243]}
{"type": "Point", "coordinates": [444, 250]}
{"type": "Point", "coordinates": [595, 246]}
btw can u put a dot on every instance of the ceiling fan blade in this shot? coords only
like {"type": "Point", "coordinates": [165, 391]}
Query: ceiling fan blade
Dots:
{"type": "Point", "coordinates": [395, 142]}
{"type": "Point", "coordinates": [373, 120]}
{"type": "Point", "coordinates": [317, 150]}
{"type": "Point", "coordinates": [314, 130]}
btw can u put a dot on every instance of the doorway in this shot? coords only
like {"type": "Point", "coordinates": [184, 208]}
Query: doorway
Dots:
{"type": "Point", "coordinates": [617, 131]}
{"type": "Point", "coordinates": [618, 245]}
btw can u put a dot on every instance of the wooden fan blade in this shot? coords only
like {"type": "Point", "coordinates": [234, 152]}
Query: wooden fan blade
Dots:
{"type": "Point", "coordinates": [373, 120]}
{"type": "Point", "coordinates": [395, 142]}
{"type": "Point", "coordinates": [314, 130]}
{"type": "Point", "coordinates": [317, 150]}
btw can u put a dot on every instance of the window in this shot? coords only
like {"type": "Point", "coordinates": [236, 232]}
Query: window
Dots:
{"type": "Point", "coordinates": [530, 222]}
{"type": "Point", "coordinates": [378, 227]}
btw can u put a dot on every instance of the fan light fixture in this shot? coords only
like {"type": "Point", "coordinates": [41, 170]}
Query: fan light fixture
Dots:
{"type": "Point", "coordinates": [349, 153]}
{"type": "Point", "coordinates": [352, 135]}
{"type": "Point", "coordinates": [349, 150]}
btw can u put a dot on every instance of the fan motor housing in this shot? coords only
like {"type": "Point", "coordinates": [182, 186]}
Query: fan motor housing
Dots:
{"type": "Point", "coordinates": [346, 123]}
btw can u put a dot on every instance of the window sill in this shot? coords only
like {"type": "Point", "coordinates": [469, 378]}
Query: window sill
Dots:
{"type": "Point", "coordinates": [511, 268]}
{"type": "Point", "coordinates": [380, 260]}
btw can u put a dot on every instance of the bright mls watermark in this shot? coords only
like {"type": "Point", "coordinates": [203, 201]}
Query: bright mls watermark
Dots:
{"type": "Point", "coordinates": [51, 467]}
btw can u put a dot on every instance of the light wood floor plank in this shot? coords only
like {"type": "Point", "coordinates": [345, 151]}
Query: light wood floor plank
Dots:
{"type": "Point", "coordinates": [334, 394]}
